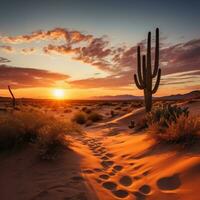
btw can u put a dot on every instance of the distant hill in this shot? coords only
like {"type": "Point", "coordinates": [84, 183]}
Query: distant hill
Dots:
{"type": "Point", "coordinates": [191, 95]}
{"type": "Point", "coordinates": [117, 97]}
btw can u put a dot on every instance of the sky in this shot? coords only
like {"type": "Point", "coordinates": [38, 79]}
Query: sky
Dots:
{"type": "Point", "coordinates": [88, 48]}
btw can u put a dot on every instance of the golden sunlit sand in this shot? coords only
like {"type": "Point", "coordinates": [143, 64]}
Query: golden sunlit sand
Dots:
{"type": "Point", "coordinates": [107, 161]}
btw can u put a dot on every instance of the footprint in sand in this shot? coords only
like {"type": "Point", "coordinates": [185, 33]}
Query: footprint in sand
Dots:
{"type": "Point", "coordinates": [110, 155]}
{"type": "Point", "coordinates": [120, 193]}
{"type": "Point", "coordinates": [104, 176]}
{"type": "Point", "coordinates": [146, 173]}
{"type": "Point", "coordinates": [97, 170]}
{"type": "Point", "coordinates": [118, 167]}
{"type": "Point", "coordinates": [98, 180]}
{"type": "Point", "coordinates": [104, 158]}
{"type": "Point", "coordinates": [169, 183]}
{"type": "Point", "coordinates": [126, 180]}
{"type": "Point", "coordinates": [109, 185]}
{"type": "Point", "coordinates": [139, 196]}
{"type": "Point", "coordinates": [145, 189]}
{"type": "Point", "coordinates": [107, 163]}
{"type": "Point", "coordinates": [98, 154]}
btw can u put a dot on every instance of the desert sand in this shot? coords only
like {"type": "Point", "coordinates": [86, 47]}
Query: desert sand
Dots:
{"type": "Point", "coordinates": [109, 161]}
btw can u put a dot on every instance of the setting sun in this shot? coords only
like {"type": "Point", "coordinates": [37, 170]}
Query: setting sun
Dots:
{"type": "Point", "coordinates": [58, 93]}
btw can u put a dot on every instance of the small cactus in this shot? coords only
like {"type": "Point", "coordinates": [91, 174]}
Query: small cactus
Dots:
{"type": "Point", "coordinates": [144, 78]}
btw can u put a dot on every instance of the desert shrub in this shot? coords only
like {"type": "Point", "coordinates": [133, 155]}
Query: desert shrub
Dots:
{"type": "Point", "coordinates": [80, 118]}
{"type": "Point", "coordinates": [67, 110]}
{"type": "Point", "coordinates": [86, 110]}
{"type": "Point", "coordinates": [20, 128]}
{"type": "Point", "coordinates": [184, 131]}
{"type": "Point", "coordinates": [51, 140]}
{"type": "Point", "coordinates": [166, 114]}
{"type": "Point", "coordinates": [94, 117]}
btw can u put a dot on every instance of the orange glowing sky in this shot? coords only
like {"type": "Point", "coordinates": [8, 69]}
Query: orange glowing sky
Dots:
{"type": "Point", "coordinates": [90, 49]}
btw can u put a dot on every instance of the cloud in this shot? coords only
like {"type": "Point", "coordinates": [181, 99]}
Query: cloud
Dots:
{"type": "Point", "coordinates": [122, 79]}
{"type": "Point", "coordinates": [59, 49]}
{"type": "Point", "coordinates": [28, 77]}
{"type": "Point", "coordinates": [55, 34]}
{"type": "Point", "coordinates": [181, 57]}
{"type": "Point", "coordinates": [118, 61]}
{"type": "Point", "coordinates": [95, 52]}
{"type": "Point", "coordinates": [7, 49]}
{"type": "Point", "coordinates": [28, 50]}
{"type": "Point", "coordinates": [178, 58]}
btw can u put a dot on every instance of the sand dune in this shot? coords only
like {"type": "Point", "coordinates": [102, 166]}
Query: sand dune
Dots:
{"type": "Point", "coordinates": [105, 166]}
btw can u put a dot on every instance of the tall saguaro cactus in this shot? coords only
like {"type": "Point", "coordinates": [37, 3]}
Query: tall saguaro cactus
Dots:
{"type": "Point", "coordinates": [145, 73]}
{"type": "Point", "coordinates": [13, 97]}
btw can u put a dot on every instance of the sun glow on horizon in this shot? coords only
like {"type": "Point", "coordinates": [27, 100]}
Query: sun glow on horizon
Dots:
{"type": "Point", "coordinates": [58, 93]}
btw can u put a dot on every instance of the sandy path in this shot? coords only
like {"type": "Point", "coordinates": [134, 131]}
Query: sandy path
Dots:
{"type": "Point", "coordinates": [129, 166]}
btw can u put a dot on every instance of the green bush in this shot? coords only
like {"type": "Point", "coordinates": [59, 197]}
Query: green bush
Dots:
{"type": "Point", "coordinates": [166, 114]}
{"type": "Point", "coordinates": [172, 124]}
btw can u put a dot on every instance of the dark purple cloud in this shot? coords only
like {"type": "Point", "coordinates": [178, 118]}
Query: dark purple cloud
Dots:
{"type": "Point", "coordinates": [19, 77]}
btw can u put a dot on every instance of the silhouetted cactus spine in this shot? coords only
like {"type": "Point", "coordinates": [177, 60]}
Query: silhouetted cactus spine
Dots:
{"type": "Point", "coordinates": [145, 74]}
{"type": "Point", "coordinates": [13, 97]}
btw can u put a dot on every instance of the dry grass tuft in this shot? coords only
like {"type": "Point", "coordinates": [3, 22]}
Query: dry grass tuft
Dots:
{"type": "Point", "coordinates": [85, 118]}
{"type": "Point", "coordinates": [80, 117]}
{"type": "Point", "coordinates": [94, 117]}
{"type": "Point", "coordinates": [20, 128]}
{"type": "Point", "coordinates": [185, 131]}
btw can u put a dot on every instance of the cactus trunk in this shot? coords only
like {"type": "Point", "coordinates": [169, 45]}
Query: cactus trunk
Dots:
{"type": "Point", "coordinates": [148, 100]}
{"type": "Point", "coordinates": [144, 78]}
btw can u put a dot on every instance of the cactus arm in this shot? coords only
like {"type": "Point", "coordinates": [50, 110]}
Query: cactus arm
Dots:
{"type": "Point", "coordinates": [137, 82]}
{"type": "Point", "coordinates": [149, 51]}
{"type": "Point", "coordinates": [139, 69]}
{"type": "Point", "coordinates": [156, 62]}
{"type": "Point", "coordinates": [157, 82]}
{"type": "Point", "coordinates": [148, 67]}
